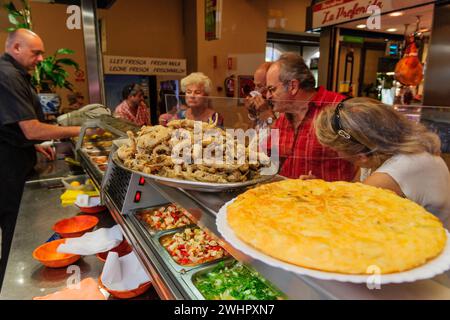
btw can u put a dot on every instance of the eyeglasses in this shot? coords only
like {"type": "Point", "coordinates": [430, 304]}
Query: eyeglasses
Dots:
{"type": "Point", "coordinates": [272, 89]}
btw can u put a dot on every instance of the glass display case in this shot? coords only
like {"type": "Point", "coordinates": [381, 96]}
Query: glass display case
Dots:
{"type": "Point", "coordinates": [93, 150]}
{"type": "Point", "coordinates": [154, 216]}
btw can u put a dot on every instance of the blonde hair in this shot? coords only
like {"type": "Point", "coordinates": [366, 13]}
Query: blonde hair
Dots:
{"type": "Point", "coordinates": [376, 128]}
{"type": "Point", "coordinates": [197, 78]}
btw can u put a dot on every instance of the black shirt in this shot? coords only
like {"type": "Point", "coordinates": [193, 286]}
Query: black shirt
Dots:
{"type": "Point", "coordinates": [18, 102]}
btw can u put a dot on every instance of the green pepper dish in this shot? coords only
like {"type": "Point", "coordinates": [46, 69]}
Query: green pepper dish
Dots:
{"type": "Point", "coordinates": [234, 282]}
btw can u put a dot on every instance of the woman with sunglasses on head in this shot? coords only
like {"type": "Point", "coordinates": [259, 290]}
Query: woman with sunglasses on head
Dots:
{"type": "Point", "coordinates": [393, 152]}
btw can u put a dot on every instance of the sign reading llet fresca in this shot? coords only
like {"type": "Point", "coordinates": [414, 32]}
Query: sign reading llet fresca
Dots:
{"type": "Point", "coordinates": [332, 12]}
{"type": "Point", "coordinates": [143, 66]}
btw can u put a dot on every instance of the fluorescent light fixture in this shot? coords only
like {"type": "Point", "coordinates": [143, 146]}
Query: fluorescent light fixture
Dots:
{"type": "Point", "coordinates": [396, 14]}
{"type": "Point", "coordinates": [391, 30]}
{"type": "Point", "coordinates": [361, 26]}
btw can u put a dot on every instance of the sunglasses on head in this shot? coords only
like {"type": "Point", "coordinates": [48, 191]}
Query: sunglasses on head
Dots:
{"type": "Point", "coordinates": [336, 124]}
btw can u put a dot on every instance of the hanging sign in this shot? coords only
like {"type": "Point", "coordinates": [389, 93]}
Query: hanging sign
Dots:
{"type": "Point", "coordinates": [143, 66]}
{"type": "Point", "coordinates": [332, 12]}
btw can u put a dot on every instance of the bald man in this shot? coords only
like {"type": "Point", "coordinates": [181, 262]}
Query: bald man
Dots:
{"type": "Point", "coordinates": [21, 129]}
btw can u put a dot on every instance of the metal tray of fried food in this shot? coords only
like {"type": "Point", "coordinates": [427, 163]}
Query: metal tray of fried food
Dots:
{"type": "Point", "coordinates": [168, 258]}
{"type": "Point", "coordinates": [194, 185]}
{"type": "Point", "coordinates": [158, 232]}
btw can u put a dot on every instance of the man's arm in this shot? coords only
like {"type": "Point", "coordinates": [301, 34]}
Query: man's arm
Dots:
{"type": "Point", "coordinates": [36, 130]}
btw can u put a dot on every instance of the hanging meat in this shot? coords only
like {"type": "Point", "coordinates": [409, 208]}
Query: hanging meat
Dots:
{"type": "Point", "coordinates": [409, 70]}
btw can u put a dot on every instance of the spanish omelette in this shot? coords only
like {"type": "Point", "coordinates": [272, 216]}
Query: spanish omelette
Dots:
{"type": "Point", "coordinates": [336, 226]}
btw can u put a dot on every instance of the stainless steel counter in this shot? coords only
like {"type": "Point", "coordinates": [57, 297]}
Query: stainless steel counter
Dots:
{"type": "Point", "coordinates": [204, 206]}
{"type": "Point", "coordinates": [25, 277]}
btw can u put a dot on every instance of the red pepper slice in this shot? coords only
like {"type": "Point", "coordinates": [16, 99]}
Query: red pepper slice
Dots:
{"type": "Point", "coordinates": [184, 253]}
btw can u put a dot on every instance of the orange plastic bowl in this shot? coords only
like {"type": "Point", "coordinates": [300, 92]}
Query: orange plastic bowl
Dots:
{"type": "Point", "coordinates": [75, 226]}
{"type": "Point", "coordinates": [48, 256]}
{"type": "Point", "coordinates": [127, 294]}
{"type": "Point", "coordinates": [91, 210]}
{"type": "Point", "coordinates": [122, 249]}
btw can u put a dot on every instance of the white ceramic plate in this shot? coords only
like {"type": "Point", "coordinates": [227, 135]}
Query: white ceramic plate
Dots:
{"type": "Point", "coordinates": [432, 268]}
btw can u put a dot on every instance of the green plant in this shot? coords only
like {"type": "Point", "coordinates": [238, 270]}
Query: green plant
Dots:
{"type": "Point", "coordinates": [19, 18]}
{"type": "Point", "coordinates": [49, 74]}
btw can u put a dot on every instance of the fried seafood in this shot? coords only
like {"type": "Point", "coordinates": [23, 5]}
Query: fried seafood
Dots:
{"type": "Point", "coordinates": [190, 150]}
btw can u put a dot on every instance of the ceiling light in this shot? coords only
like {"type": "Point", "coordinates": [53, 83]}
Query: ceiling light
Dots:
{"type": "Point", "coordinates": [396, 14]}
{"type": "Point", "coordinates": [391, 30]}
{"type": "Point", "coordinates": [361, 26]}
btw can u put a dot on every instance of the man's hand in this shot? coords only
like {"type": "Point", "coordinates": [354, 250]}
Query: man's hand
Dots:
{"type": "Point", "coordinates": [309, 176]}
{"type": "Point", "coordinates": [257, 104]}
{"type": "Point", "coordinates": [47, 151]}
{"type": "Point", "coordinates": [94, 131]}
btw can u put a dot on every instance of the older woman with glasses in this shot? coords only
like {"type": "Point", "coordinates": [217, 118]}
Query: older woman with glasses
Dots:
{"type": "Point", "coordinates": [197, 88]}
{"type": "Point", "coordinates": [393, 152]}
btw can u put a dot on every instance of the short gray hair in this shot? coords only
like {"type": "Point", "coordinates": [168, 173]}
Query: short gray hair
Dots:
{"type": "Point", "coordinates": [197, 78]}
{"type": "Point", "coordinates": [292, 66]}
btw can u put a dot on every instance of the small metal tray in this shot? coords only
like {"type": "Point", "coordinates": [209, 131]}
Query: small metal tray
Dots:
{"type": "Point", "coordinates": [194, 185]}
{"type": "Point", "coordinates": [92, 158]}
{"type": "Point", "coordinates": [96, 152]}
{"type": "Point", "coordinates": [190, 277]}
{"type": "Point", "coordinates": [156, 232]}
{"type": "Point", "coordinates": [170, 261]}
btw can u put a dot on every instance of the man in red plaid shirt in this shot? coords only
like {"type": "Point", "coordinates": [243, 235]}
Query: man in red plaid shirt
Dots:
{"type": "Point", "coordinates": [133, 107]}
{"type": "Point", "coordinates": [291, 91]}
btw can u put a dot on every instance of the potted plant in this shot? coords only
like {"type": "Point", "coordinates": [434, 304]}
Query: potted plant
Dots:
{"type": "Point", "coordinates": [19, 18]}
{"type": "Point", "coordinates": [50, 73]}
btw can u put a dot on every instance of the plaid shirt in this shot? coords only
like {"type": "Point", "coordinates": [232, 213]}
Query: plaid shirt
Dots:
{"type": "Point", "coordinates": [301, 152]}
{"type": "Point", "coordinates": [141, 118]}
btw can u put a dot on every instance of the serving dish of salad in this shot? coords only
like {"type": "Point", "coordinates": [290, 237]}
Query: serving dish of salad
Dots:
{"type": "Point", "coordinates": [233, 281]}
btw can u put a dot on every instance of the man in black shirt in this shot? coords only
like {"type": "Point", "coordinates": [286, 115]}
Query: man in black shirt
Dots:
{"type": "Point", "coordinates": [21, 129]}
